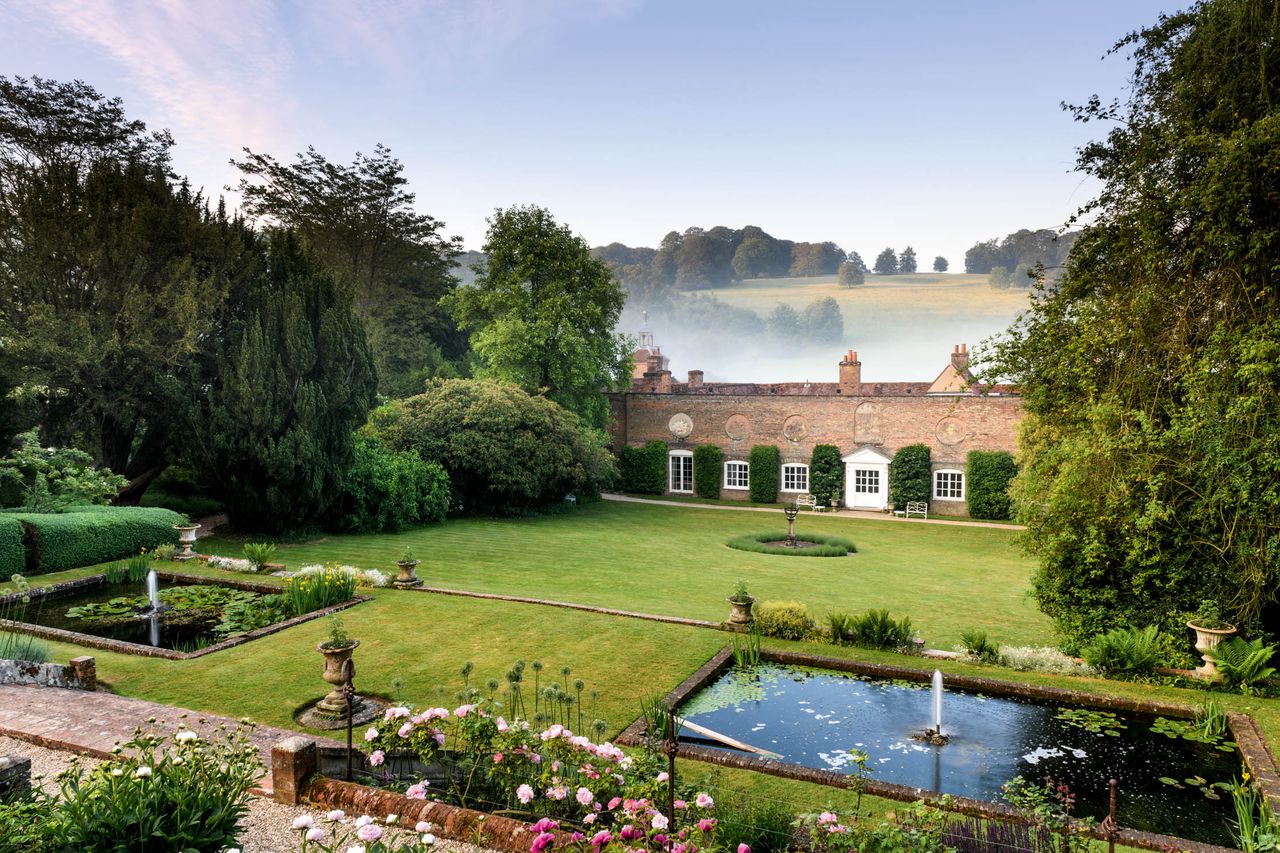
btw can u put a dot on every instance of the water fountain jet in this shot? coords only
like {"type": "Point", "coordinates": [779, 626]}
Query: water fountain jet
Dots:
{"type": "Point", "coordinates": [935, 735]}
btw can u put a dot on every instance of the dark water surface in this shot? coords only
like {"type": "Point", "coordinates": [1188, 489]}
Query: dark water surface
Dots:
{"type": "Point", "coordinates": [171, 629]}
{"type": "Point", "coordinates": [815, 718]}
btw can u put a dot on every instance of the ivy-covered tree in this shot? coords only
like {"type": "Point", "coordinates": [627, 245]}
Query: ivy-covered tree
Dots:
{"type": "Point", "coordinates": [909, 475]}
{"type": "Point", "coordinates": [292, 381]}
{"type": "Point", "coordinates": [708, 470]}
{"type": "Point", "coordinates": [1151, 371]}
{"type": "Point", "coordinates": [542, 312]}
{"type": "Point", "coordinates": [826, 473]}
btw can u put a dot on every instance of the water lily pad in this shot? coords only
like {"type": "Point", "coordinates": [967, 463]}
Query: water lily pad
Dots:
{"type": "Point", "coordinates": [1166, 780]}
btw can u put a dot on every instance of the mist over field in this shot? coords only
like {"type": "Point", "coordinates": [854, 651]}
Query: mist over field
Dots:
{"type": "Point", "coordinates": [903, 328]}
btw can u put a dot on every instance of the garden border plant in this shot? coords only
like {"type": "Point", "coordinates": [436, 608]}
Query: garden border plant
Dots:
{"type": "Point", "coordinates": [824, 545]}
{"type": "Point", "coordinates": [80, 639]}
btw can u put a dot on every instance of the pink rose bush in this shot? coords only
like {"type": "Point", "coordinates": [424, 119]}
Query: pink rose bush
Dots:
{"type": "Point", "coordinates": [493, 763]}
{"type": "Point", "coordinates": [336, 833]}
{"type": "Point", "coordinates": [638, 826]}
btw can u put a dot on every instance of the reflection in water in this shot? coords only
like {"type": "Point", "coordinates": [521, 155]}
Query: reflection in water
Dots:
{"type": "Point", "coordinates": [815, 718]}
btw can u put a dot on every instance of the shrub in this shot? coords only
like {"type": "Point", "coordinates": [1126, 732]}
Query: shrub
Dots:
{"type": "Point", "coordinates": [840, 628]}
{"type": "Point", "coordinates": [763, 825]}
{"type": "Point", "coordinates": [826, 473]}
{"type": "Point", "coordinates": [505, 451]}
{"type": "Point", "coordinates": [990, 473]}
{"type": "Point", "coordinates": [1243, 664]}
{"type": "Point", "coordinates": [362, 577]}
{"type": "Point", "coordinates": [160, 794]}
{"type": "Point", "coordinates": [828, 546]}
{"type": "Point", "coordinates": [876, 629]}
{"type": "Point", "coordinates": [44, 479]}
{"type": "Point", "coordinates": [259, 553]}
{"type": "Point", "coordinates": [388, 490]}
{"type": "Point", "coordinates": [976, 645]}
{"type": "Point", "coordinates": [764, 467]}
{"type": "Point", "coordinates": [707, 470]}
{"type": "Point", "coordinates": [82, 536]}
{"type": "Point", "coordinates": [787, 620]}
{"type": "Point", "coordinates": [909, 475]}
{"type": "Point", "coordinates": [1125, 651]}
{"type": "Point", "coordinates": [13, 557]}
{"type": "Point", "coordinates": [1042, 659]}
{"type": "Point", "coordinates": [315, 591]}
{"type": "Point", "coordinates": [643, 470]}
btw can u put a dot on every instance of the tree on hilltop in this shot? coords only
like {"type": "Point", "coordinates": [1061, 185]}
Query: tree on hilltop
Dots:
{"type": "Point", "coordinates": [940, 264]}
{"type": "Point", "coordinates": [907, 261]}
{"type": "Point", "coordinates": [887, 262]}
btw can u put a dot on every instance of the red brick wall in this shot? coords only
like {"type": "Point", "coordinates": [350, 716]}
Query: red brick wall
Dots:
{"type": "Point", "coordinates": [950, 425]}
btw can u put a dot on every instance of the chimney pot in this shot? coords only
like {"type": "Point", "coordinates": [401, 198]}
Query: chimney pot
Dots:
{"type": "Point", "coordinates": [695, 378]}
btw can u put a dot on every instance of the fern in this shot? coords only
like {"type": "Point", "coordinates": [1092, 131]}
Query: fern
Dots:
{"type": "Point", "coordinates": [1242, 663]}
{"type": "Point", "coordinates": [1127, 651]}
{"type": "Point", "coordinates": [977, 646]}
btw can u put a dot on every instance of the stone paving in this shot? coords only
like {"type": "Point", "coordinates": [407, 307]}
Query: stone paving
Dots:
{"type": "Point", "coordinates": [92, 723]}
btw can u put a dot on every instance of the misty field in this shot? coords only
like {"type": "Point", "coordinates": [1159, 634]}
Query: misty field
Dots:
{"type": "Point", "coordinates": [903, 326]}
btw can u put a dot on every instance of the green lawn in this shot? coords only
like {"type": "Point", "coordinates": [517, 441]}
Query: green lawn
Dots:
{"type": "Point", "coordinates": [672, 560]}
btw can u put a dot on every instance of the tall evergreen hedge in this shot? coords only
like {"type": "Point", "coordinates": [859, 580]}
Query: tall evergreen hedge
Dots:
{"type": "Point", "coordinates": [765, 467]}
{"type": "Point", "coordinates": [990, 472]}
{"type": "Point", "coordinates": [909, 475]}
{"type": "Point", "coordinates": [644, 469]}
{"type": "Point", "coordinates": [708, 469]}
{"type": "Point", "coordinates": [82, 536]}
{"type": "Point", "coordinates": [13, 558]}
{"type": "Point", "coordinates": [826, 473]}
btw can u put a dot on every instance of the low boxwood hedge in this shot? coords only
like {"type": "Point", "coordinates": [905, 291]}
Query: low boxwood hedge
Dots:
{"type": "Point", "coordinates": [827, 546]}
{"type": "Point", "coordinates": [13, 559]}
{"type": "Point", "coordinates": [83, 536]}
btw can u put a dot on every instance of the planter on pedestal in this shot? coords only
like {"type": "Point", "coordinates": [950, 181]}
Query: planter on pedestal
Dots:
{"type": "Point", "coordinates": [1207, 639]}
{"type": "Point", "coordinates": [187, 539]}
{"type": "Point", "coordinates": [407, 578]}
{"type": "Point", "coordinates": [740, 611]}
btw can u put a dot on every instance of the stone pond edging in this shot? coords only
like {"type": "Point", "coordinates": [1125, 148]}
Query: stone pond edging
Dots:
{"type": "Point", "coordinates": [79, 639]}
{"type": "Point", "coordinates": [1244, 730]}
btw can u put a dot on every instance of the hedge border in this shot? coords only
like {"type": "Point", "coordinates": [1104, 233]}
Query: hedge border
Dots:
{"type": "Point", "coordinates": [86, 536]}
{"type": "Point", "coordinates": [708, 470]}
{"type": "Point", "coordinates": [764, 469]}
{"type": "Point", "coordinates": [13, 556]}
{"type": "Point", "coordinates": [827, 546]}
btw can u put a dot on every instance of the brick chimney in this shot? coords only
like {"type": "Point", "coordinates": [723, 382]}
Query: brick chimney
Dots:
{"type": "Point", "coordinates": [695, 378]}
{"type": "Point", "coordinates": [960, 359]}
{"type": "Point", "coordinates": [657, 379]}
{"type": "Point", "coordinates": [850, 374]}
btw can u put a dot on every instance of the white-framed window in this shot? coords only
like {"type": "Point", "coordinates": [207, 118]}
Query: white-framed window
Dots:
{"type": "Point", "coordinates": [680, 471]}
{"type": "Point", "coordinates": [737, 475]}
{"type": "Point", "coordinates": [866, 481]}
{"type": "Point", "coordinates": [795, 477]}
{"type": "Point", "coordinates": [948, 485]}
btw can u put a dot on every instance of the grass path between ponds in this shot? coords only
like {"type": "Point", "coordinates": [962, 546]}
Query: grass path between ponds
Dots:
{"type": "Point", "coordinates": [673, 561]}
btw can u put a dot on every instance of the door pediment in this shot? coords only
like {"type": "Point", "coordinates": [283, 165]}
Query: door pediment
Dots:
{"type": "Point", "coordinates": [866, 456]}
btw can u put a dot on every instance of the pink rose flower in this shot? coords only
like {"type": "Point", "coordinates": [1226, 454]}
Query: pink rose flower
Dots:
{"type": "Point", "coordinates": [524, 794]}
{"type": "Point", "coordinates": [584, 796]}
{"type": "Point", "coordinates": [376, 759]}
{"type": "Point", "coordinates": [369, 832]}
{"type": "Point", "coordinates": [542, 842]}
{"type": "Point", "coordinates": [704, 800]}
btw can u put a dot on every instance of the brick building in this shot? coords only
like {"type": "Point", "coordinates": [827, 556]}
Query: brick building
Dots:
{"type": "Point", "coordinates": [868, 421]}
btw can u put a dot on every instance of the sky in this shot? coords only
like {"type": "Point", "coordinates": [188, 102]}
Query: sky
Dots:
{"type": "Point", "coordinates": [931, 123]}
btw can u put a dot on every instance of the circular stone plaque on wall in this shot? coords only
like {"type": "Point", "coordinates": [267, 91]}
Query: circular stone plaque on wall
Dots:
{"type": "Point", "coordinates": [680, 425]}
{"type": "Point", "coordinates": [737, 427]}
{"type": "Point", "coordinates": [950, 431]}
{"type": "Point", "coordinates": [794, 428]}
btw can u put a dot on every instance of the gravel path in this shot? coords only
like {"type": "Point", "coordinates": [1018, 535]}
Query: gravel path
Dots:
{"type": "Point", "coordinates": [268, 828]}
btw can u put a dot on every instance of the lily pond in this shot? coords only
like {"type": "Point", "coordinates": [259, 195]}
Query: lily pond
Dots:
{"type": "Point", "coordinates": [1173, 778]}
{"type": "Point", "coordinates": [189, 618]}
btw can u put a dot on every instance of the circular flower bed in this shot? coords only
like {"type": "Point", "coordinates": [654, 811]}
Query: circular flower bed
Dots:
{"type": "Point", "coordinates": [807, 545]}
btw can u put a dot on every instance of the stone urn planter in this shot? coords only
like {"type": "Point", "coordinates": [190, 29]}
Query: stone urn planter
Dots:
{"type": "Point", "coordinates": [335, 703]}
{"type": "Point", "coordinates": [407, 578]}
{"type": "Point", "coordinates": [740, 611]}
{"type": "Point", "coordinates": [187, 539]}
{"type": "Point", "coordinates": [1207, 639]}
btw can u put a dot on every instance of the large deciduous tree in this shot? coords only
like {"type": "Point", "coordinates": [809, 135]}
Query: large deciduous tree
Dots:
{"type": "Point", "coordinates": [109, 272]}
{"type": "Point", "coordinates": [886, 262]}
{"type": "Point", "coordinates": [1151, 371]}
{"type": "Point", "coordinates": [360, 220]}
{"type": "Point", "coordinates": [542, 312]}
{"type": "Point", "coordinates": [907, 261]}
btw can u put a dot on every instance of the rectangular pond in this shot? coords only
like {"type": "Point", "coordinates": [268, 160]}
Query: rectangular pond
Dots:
{"type": "Point", "coordinates": [1172, 779]}
{"type": "Point", "coordinates": [196, 615]}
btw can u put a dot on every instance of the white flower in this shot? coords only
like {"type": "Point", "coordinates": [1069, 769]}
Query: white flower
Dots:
{"type": "Point", "coordinates": [186, 735]}
{"type": "Point", "coordinates": [304, 822]}
{"type": "Point", "coordinates": [142, 772]}
{"type": "Point", "coordinates": [659, 821]}
{"type": "Point", "coordinates": [315, 833]}
{"type": "Point", "coordinates": [422, 826]}
{"type": "Point", "coordinates": [392, 818]}
{"type": "Point", "coordinates": [371, 735]}
{"type": "Point", "coordinates": [335, 815]}
{"type": "Point", "coordinates": [177, 759]}
{"type": "Point", "coordinates": [356, 848]}
{"type": "Point", "coordinates": [116, 771]}
{"type": "Point", "coordinates": [363, 820]}
{"type": "Point", "coordinates": [233, 850]}
{"type": "Point", "coordinates": [428, 839]}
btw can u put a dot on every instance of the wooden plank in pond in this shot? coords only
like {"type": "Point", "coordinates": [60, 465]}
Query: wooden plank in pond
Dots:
{"type": "Point", "coordinates": [728, 741]}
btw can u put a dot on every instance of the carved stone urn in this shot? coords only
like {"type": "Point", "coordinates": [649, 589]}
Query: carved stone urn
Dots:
{"type": "Point", "coordinates": [1207, 639]}
{"type": "Point", "coordinates": [740, 611]}
{"type": "Point", "coordinates": [334, 703]}
{"type": "Point", "coordinates": [187, 539]}
{"type": "Point", "coordinates": [407, 578]}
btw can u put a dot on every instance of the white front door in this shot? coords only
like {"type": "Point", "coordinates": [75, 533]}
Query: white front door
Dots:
{"type": "Point", "coordinates": [868, 486]}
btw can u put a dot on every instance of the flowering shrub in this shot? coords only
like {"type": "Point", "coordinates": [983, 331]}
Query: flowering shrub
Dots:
{"type": "Point", "coordinates": [638, 825]}
{"type": "Point", "coordinates": [231, 564]}
{"type": "Point", "coordinates": [495, 764]}
{"type": "Point", "coordinates": [1042, 659]}
{"type": "Point", "coordinates": [362, 577]}
{"type": "Point", "coordinates": [336, 833]}
{"type": "Point", "coordinates": [918, 828]}
{"type": "Point", "coordinates": [159, 793]}
{"type": "Point", "coordinates": [315, 590]}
